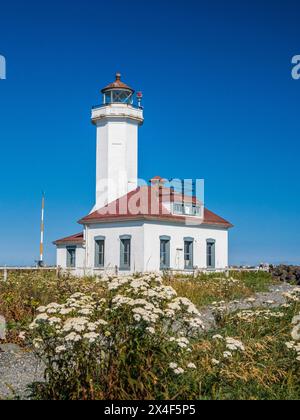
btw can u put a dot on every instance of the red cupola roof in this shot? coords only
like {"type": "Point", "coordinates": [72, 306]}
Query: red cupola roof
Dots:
{"type": "Point", "coordinates": [117, 84]}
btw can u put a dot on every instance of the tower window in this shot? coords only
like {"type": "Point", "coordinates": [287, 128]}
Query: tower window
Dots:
{"type": "Point", "coordinates": [71, 256]}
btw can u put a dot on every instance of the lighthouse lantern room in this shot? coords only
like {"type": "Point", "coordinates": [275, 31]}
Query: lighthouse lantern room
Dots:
{"type": "Point", "coordinates": [118, 92]}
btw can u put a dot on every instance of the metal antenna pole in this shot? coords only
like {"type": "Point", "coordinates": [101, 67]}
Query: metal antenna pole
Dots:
{"type": "Point", "coordinates": [41, 261]}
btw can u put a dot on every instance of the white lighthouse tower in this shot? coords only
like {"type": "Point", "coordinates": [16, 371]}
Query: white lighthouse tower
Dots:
{"type": "Point", "coordinates": [117, 121]}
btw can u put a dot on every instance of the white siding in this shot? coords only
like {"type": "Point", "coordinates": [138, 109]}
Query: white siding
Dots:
{"type": "Point", "coordinates": [112, 233]}
{"type": "Point", "coordinates": [145, 246]}
{"type": "Point", "coordinates": [117, 153]}
{"type": "Point", "coordinates": [61, 257]}
{"type": "Point", "coordinates": [154, 230]}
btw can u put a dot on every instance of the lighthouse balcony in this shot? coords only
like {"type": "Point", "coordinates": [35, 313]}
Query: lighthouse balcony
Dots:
{"type": "Point", "coordinates": [117, 110]}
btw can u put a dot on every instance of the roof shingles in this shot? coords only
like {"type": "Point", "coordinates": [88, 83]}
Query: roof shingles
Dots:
{"type": "Point", "coordinates": [149, 203]}
{"type": "Point", "coordinates": [74, 239]}
{"type": "Point", "coordinates": [145, 203]}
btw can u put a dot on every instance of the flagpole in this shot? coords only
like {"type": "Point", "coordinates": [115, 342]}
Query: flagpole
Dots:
{"type": "Point", "coordinates": [41, 261]}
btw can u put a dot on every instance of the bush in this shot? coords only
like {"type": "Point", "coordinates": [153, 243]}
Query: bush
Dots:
{"type": "Point", "coordinates": [133, 343]}
{"type": "Point", "coordinates": [24, 292]}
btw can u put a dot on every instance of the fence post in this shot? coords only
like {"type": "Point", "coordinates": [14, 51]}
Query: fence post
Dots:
{"type": "Point", "coordinates": [5, 274]}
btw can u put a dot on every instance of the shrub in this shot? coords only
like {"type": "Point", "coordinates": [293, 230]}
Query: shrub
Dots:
{"type": "Point", "coordinates": [133, 343]}
{"type": "Point", "coordinates": [24, 292]}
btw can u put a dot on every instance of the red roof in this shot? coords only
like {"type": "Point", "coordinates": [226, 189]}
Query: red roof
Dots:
{"type": "Point", "coordinates": [147, 203]}
{"type": "Point", "coordinates": [157, 178]}
{"type": "Point", "coordinates": [74, 239]}
{"type": "Point", "coordinates": [117, 84]}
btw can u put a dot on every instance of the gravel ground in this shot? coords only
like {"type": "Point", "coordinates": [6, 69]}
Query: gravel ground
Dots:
{"type": "Point", "coordinates": [19, 368]}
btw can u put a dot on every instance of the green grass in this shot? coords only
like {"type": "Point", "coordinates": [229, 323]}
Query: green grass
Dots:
{"type": "Point", "coordinates": [24, 292]}
{"type": "Point", "coordinates": [208, 288]}
{"type": "Point", "coordinates": [266, 370]}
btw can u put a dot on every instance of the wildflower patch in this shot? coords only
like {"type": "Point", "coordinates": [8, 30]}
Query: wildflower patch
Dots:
{"type": "Point", "coordinates": [141, 324]}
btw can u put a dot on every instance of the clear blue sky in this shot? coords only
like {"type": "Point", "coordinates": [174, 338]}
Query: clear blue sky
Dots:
{"type": "Point", "coordinates": [220, 104]}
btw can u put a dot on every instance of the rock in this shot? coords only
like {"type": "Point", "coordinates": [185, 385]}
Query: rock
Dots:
{"type": "Point", "coordinates": [2, 328]}
{"type": "Point", "coordinates": [287, 274]}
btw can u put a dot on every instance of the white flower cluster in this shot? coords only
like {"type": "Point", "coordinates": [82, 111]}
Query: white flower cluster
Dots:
{"type": "Point", "coordinates": [220, 309]}
{"type": "Point", "coordinates": [294, 295]}
{"type": "Point", "coordinates": [150, 300]}
{"type": "Point", "coordinates": [138, 307]}
{"type": "Point", "coordinates": [234, 345]}
{"type": "Point", "coordinates": [178, 370]}
{"type": "Point", "coordinates": [231, 345]}
{"type": "Point", "coordinates": [250, 315]}
{"type": "Point", "coordinates": [70, 323]}
{"type": "Point", "coordinates": [182, 342]}
{"type": "Point", "coordinates": [295, 344]}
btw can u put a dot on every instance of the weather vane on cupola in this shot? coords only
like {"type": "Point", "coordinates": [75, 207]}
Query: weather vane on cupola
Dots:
{"type": "Point", "coordinates": [119, 92]}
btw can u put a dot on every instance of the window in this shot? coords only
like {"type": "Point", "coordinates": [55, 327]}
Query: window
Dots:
{"type": "Point", "coordinates": [178, 208]}
{"type": "Point", "coordinates": [121, 96]}
{"type": "Point", "coordinates": [187, 209]}
{"type": "Point", "coordinates": [188, 253]}
{"type": "Point", "coordinates": [197, 211]}
{"type": "Point", "coordinates": [211, 245]}
{"type": "Point", "coordinates": [108, 97]}
{"type": "Point", "coordinates": [71, 257]}
{"type": "Point", "coordinates": [125, 252]}
{"type": "Point", "coordinates": [164, 252]}
{"type": "Point", "coordinates": [99, 251]}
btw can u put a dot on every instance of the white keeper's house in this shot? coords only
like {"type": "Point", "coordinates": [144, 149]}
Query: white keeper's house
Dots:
{"type": "Point", "coordinates": [134, 228]}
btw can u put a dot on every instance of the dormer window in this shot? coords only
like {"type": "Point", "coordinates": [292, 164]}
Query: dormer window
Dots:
{"type": "Point", "coordinates": [186, 209]}
{"type": "Point", "coordinates": [178, 208]}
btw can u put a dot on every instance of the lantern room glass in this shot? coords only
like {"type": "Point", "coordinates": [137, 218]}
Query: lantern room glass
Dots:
{"type": "Point", "coordinates": [117, 96]}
